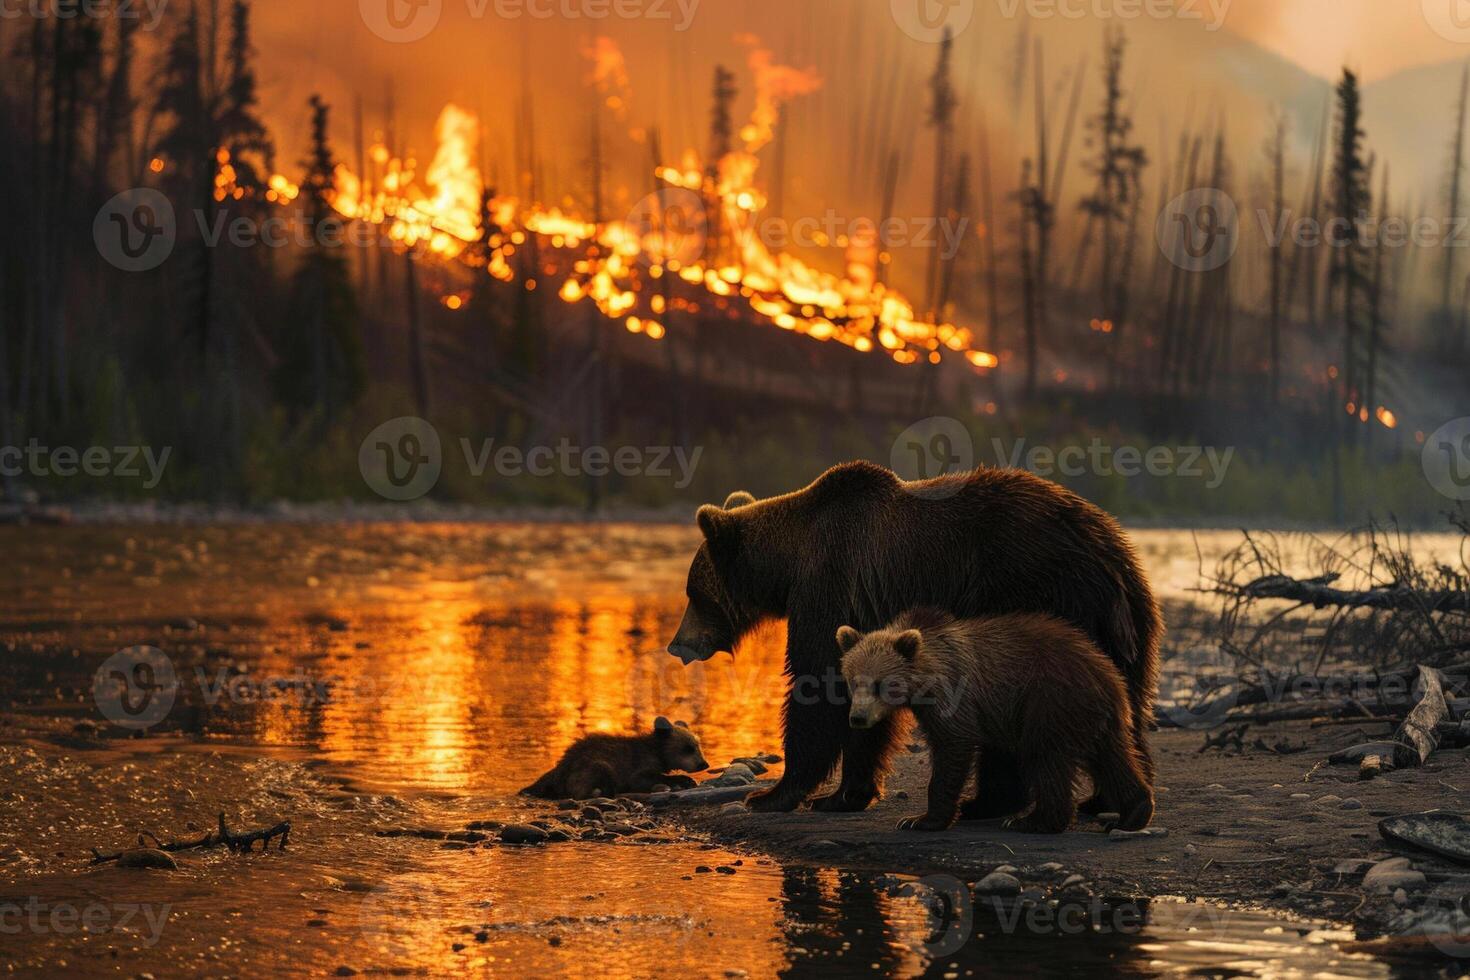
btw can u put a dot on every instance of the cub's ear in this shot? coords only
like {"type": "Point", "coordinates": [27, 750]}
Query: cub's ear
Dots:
{"type": "Point", "coordinates": [907, 644]}
{"type": "Point", "coordinates": [847, 638]}
{"type": "Point", "coordinates": [661, 726]}
{"type": "Point", "coordinates": [738, 499]}
{"type": "Point", "coordinates": [717, 524]}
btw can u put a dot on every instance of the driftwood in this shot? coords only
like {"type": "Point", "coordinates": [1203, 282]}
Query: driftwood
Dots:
{"type": "Point", "coordinates": [1319, 593]}
{"type": "Point", "coordinates": [1370, 766]}
{"type": "Point", "coordinates": [1418, 736]}
{"type": "Point", "coordinates": [236, 843]}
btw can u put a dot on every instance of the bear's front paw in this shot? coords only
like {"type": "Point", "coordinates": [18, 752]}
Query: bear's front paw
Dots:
{"type": "Point", "coordinates": [678, 781]}
{"type": "Point", "coordinates": [773, 800]}
{"type": "Point", "coordinates": [924, 822]}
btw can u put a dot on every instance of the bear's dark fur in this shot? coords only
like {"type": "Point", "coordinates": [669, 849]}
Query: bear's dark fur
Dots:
{"type": "Point", "coordinates": [859, 547]}
{"type": "Point", "coordinates": [1028, 685]}
{"type": "Point", "coordinates": [606, 765]}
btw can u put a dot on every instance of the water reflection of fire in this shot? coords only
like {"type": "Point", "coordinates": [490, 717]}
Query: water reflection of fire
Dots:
{"type": "Point", "coordinates": [696, 235]}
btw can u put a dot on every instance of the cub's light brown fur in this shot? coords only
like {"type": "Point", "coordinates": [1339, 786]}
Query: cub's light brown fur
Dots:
{"type": "Point", "coordinates": [1028, 685]}
{"type": "Point", "coordinates": [606, 765]}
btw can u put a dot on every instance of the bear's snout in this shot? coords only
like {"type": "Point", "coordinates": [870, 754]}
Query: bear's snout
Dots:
{"type": "Point", "coordinates": [689, 654]}
{"type": "Point", "coordinates": [860, 719]}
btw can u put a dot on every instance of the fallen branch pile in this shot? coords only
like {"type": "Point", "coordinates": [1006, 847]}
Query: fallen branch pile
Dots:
{"type": "Point", "coordinates": [236, 843]}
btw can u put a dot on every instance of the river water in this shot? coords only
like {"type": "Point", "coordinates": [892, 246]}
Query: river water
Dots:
{"type": "Point", "coordinates": [351, 678]}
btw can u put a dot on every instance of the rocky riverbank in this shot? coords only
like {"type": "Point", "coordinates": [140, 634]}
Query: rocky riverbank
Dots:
{"type": "Point", "coordinates": [1266, 825]}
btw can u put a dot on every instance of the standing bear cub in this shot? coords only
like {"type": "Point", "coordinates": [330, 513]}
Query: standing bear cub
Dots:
{"type": "Point", "coordinates": [1027, 685]}
{"type": "Point", "coordinates": [606, 765]}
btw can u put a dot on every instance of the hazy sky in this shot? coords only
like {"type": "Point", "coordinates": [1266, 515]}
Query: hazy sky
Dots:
{"type": "Point", "coordinates": [1379, 37]}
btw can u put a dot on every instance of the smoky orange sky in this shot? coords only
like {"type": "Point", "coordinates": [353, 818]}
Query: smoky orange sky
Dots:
{"type": "Point", "coordinates": [1377, 37]}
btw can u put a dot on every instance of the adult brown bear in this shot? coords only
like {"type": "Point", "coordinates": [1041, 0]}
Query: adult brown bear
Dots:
{"type": "Point", "coordinates": [860, 546]}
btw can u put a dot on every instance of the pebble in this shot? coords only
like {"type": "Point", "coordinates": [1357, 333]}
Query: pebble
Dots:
{"type": "Point", "coordinates": [620, 829]}
{"type": "Point", "coordinates": [1301, 796]}
{"type": "Point", "coordinates": [736, 774]}
{"type": "Point", "coordinates": [147, 858]}
{"type": "Point", "coordinates": [1328, 800]}
{"type": "Point", "coordinates": [1052, 866]}
{"type": "Point", "coordinates": [519, 833]}
{"type": "Point", "coordinates": [1073, 880]}
{"type": "Point", "coordinates": [752, 763]}
{"type": "Point", "coordinates": [1400, 897]}
{"type": "Point", "coordinates": [1350, 804]}
{"type": "Point", "coordinates": [1386, 876]}
{"type": "Point", "coordinates": [998, 883]}
{"type": "Point", "coordinates": [1118, 834]}
{"type": "Point", "coordinates": [725, 869]}
{"type": "Point", "coordinates": [734, 807]}
{"type": "Point", "coordinates": [1009, 869]}
{"type": "Point", "coordinates": [346, 971]}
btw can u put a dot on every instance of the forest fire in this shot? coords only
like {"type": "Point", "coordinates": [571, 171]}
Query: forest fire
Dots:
{"type": "Point", "coordinates": [700, 226]}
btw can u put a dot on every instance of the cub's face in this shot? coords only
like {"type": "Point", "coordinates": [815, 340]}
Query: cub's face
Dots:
{"type": "Point", "coordinates": [878, 669]}
{"type": "Point", "coordinates": [679, 747]}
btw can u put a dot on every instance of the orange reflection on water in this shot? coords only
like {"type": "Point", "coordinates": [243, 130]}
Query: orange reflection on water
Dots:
{"type": "Point", "coordinates": [454, 692]}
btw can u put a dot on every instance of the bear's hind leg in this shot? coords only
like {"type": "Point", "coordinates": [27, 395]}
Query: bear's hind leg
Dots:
{"type": "Point", "coordinates": [1118, 773]}
{"type": "Point", "coordinates": [1051, 786]}
{"type": "Point", "coordinates": [999, 789]}
{"type": "Point", "coordinates": [592, 781]}
{"type": "Point", "coordinates": [865, 761]}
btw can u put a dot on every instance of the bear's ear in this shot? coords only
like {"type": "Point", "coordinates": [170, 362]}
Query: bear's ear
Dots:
{"type": "Point", "coordinates": [717, 525]}
{"type": "Point", "coordinates": [738, 499]}
{"type": "Point", "coordinates": [847, 638]}
{"type": "Point", "coordinates": [682, 724]}
{"type": "Point", "coordinates": [661, 726]}
{"type": "Point", "coordinates": [907, 643]}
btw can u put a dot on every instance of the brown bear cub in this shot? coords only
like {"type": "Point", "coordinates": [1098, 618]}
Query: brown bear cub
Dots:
{"type": "Point", "coordinates": [1025, 684]}
{"type": "Point", "coordinates": [606, 765]}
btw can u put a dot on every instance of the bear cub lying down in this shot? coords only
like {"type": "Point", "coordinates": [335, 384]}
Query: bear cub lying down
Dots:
{"type": "Point", "coordinates": [606, 765]}
{"type": "Point", "coordinates": [1029, 685]}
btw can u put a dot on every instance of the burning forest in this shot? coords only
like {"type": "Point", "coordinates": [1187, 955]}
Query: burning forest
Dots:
{"type": "Point", "coordinates": [983, 227]}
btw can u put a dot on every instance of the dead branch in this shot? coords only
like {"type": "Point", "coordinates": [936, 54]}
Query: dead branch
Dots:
{"type": "Point", "coordinates": [236, 843]}
{"type": "Point", "coordinates": [1319, 593]}
{"type": "Point", "coordinates": [1417, 736]}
